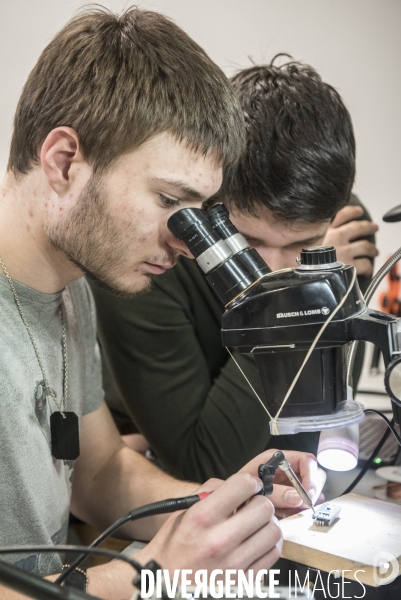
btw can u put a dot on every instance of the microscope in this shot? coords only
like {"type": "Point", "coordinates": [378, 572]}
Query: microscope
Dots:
{"type": "Point", "coordinates": [298, 324]}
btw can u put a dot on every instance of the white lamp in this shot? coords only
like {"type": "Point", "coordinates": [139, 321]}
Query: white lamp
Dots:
{"type": "Point", "coordinates": [339, 448]}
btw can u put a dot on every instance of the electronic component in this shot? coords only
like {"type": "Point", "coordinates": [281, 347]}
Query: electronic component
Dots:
{"type": "Point", "coordinates": [326, 515]}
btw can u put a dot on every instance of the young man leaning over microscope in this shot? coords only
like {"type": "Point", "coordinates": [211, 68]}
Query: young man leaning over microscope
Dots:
{"type": "Point", "coordinates": [93, 164]}
{"type": "Point", "coordinates": [168, 375]}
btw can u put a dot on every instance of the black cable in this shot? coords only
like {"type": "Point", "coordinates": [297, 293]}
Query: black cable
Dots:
{"type": "Point", "coordinates": [28, 583]}
{"type": "Point", "coordinates": [373, 392]}
{"type": "Point", "coordinates": [368, 463]}
{"type": "Point", "coordinates": [33, 586]}
{"type": "Point", "coordinates": [389, 424]}
{"type": "Point", "coordinates": [379, 446]}
{"type": "Point", "coordinates": [70, 548]}
{"type": "Point", "coordinates": [155, 508]}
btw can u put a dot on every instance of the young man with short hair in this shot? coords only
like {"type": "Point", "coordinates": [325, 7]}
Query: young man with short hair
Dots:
{"type": "Point", "coordinates": [122, 121]}
{"type": "Point", "coordinates": [171, 376]}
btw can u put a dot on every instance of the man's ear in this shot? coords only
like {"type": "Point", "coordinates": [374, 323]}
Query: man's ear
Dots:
{"type": "Point", "coordinates": [59, 151]}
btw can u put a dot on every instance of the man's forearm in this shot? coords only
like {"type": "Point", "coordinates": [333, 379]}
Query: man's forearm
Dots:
{"type": "Point", "coordinates": [126, 482]}
{"type": "Point", "coordinates": [8, 594]}
{"type": "Point", "coordinates": [110, 479]}
{"type": "Point", "coordinates": [108, 582]}
{"type": "Point", "coordinates": [113, 580]}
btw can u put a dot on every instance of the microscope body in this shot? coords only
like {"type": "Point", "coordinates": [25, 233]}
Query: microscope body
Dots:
{"type": "Point", "coordinates": [278, 319]}
{"type": "Point", "coordinates": [278, 316]}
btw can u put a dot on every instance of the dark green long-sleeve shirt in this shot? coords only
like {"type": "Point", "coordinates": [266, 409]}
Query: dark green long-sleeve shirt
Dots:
{"type": "Point", "coordinates": [177, 382]}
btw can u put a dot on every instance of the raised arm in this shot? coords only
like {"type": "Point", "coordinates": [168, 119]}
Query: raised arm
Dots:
{"type": "Point", "coordinates": [352, 233]}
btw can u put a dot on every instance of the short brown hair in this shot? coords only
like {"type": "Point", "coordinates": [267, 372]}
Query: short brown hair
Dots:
{"type": "Point", "coordinates": [118, 80]}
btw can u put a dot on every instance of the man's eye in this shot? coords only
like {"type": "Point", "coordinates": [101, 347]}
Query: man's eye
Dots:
{"type": "Point", "coordinates": [168, 202]}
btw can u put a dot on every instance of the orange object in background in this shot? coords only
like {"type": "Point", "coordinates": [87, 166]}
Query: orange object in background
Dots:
{"type": "Point", "coordinates": [390, 302]}
{"type": "Point", "coordinates": [390, 299]}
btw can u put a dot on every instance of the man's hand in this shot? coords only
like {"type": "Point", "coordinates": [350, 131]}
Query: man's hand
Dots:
{"type": "Point", "coordinates": [285, 498]}
{"type": "Point", "coordinates": [230, 529]}
{"type": "Point", "coordinates": [233, 528]}
{"type": "Point", "coordinates": [344, 234]}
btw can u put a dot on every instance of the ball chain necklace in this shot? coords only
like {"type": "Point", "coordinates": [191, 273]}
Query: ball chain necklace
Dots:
{"type": "Point", "coordinates": [63, 424]}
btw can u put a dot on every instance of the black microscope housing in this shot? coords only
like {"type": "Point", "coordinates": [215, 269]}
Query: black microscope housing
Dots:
{"type": "Point", "coordinates": [278, 316]}
{"type": "Point", "coordinates": [278, 319]}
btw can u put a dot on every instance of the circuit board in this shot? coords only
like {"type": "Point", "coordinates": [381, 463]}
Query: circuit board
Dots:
{"type": "Point", "coordinates": [326, 515]}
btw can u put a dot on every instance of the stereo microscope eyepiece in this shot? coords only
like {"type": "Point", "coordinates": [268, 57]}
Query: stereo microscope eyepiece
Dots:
{"type": "Point", "coordinates": [227, 272]}
{"type": "Point", "coordinates": [192, 227]}
{"type": "Point", "coordinates": [218, 217]}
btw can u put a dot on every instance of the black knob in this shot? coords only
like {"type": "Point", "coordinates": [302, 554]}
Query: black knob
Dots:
{"type": "Point", "coordinates": [181, 220]}
{"type": "Point", "coordinates": [218, 217]}
{"type": "Point", "coordinates": [393, 215]}
{"type": "Point", "coordinates": [318, 255]}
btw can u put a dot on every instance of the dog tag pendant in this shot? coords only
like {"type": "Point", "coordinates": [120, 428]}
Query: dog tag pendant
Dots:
{"type": "Point", "coordinates": [65, 435]}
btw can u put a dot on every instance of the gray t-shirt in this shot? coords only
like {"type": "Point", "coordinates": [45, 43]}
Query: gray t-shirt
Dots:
{"type": "Point", "coordinates": [35, 488]}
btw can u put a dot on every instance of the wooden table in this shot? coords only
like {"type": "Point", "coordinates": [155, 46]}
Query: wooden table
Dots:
{"type": "Point", "coordinates": [366, 527]}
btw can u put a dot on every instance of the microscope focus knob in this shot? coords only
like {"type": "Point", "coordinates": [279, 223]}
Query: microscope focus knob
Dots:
{"type": "Point", "coordinates": [318, 255]}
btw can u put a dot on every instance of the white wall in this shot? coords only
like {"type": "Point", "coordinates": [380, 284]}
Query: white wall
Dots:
{"type": "Point", "coordinates": [355, 44]}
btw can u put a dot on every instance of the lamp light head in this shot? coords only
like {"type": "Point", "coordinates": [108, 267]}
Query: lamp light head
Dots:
{"type": "Point", "coordinates": [339, 448]}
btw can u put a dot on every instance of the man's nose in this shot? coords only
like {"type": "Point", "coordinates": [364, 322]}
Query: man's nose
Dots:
{"type": "Point", "coordinates": [179, 247]}
{"type": "Point", "coordinates": [276, 259]}
{"type": "Point", "coordinates": [277, 263]}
